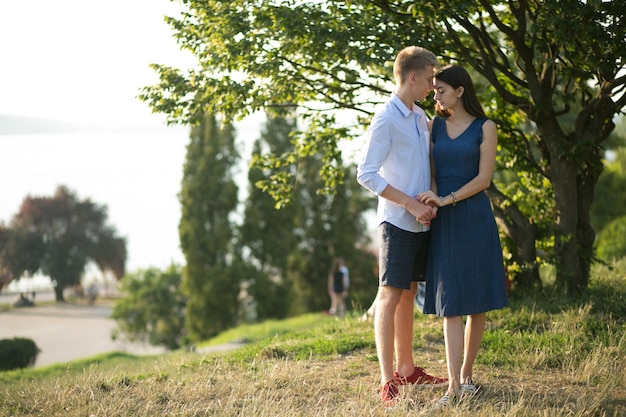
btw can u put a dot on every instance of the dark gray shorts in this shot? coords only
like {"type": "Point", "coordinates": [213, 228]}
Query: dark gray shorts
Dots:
{"type": "Point", "coordinates": [402, 256]}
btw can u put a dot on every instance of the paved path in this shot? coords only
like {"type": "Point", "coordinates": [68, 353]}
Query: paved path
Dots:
{"type": "Point", "coordinates": [67, 332]}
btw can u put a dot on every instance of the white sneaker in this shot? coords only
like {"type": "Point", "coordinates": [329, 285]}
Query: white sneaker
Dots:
{"type": "Point", "coordinates": [468, 390]}
{"type": "Point", "coordinates": [446, 401]}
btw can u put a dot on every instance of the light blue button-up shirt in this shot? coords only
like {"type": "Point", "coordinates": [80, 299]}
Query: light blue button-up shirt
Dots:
{"type": "Point", "coordinates": [396, 152]}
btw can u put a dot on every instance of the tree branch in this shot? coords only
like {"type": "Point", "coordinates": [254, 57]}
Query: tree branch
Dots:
{"type": "Point", "coordinates": [485, 46]}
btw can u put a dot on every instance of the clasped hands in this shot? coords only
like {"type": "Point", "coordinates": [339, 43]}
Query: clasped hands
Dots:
{"type": "Point", "coordinates": [426, 208]}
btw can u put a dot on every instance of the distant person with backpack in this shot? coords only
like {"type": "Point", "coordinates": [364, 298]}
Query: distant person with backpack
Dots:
{"type": "Point", "coordinates": [338, 283]}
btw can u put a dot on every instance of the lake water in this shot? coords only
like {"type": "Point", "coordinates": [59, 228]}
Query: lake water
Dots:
{"type": "Point", "coordinates": [136, 174]}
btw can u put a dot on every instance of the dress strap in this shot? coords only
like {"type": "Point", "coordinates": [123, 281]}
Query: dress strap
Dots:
{"type": "Point", "coordinates": [480, 123]}
{"type": "Point", "coordinates": [436, 123]}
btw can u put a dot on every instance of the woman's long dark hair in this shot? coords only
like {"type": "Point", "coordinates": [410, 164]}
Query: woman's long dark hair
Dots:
{"type": "Point", "coordinates": [456, 76]}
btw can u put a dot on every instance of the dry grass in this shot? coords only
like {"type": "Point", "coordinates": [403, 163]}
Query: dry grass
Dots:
{"type": "Point", "coordinates": [344, 386]}
{"type": "Point", "coordinates": [562, 358]}
{"type": "Point", "coordinates": [216, 385]}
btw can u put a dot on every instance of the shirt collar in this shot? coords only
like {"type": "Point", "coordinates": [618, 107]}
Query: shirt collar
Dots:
{"type": "Point", "coordinates": [401, 106]}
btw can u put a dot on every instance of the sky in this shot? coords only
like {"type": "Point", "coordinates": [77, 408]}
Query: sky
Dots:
{"type": "Point", "coordinates": [81, 61]}
{"type": "Point", "coordinates": [77, 60]}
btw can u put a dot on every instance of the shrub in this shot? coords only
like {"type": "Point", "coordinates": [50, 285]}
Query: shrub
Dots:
{"type": "Point", "coordinates": [152, 309]}
{"type": "Point", "coordinates": [17, 353]}
{"type": "Point", "coordinates": [610, 241]}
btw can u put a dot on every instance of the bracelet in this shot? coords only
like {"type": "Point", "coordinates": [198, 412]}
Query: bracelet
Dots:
{"type": "Point", "coordinates": [453, 198]}
{"type": "Point", "coordinates": [440, 201]}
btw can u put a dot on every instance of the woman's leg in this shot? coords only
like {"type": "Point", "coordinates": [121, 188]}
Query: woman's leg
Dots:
{"type": "Point", "coordinates": [333, 303]}
{"type": "Point", "coordinates": [453, 335]}
{"type": "Point", "coordinates": [341, 305]}
{"type": "Point", "coordinates": [474, 330]}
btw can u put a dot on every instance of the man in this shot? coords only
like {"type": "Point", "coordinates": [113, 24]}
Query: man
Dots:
{"type": "Point", "coordinates": [396, 167]}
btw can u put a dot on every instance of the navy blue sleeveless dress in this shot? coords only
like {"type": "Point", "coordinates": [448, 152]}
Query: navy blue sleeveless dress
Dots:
{"type": "Point", "coordinates": [465, 272]}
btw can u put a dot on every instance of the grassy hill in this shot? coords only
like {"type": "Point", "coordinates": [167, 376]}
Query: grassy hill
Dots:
{"type": "Point", "coordinates": [545, 355]}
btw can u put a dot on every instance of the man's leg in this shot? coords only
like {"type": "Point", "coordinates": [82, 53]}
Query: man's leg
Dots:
{"type": "Point", "coordinates": [404, 331]}
{"type": "Point", "coordinates": [384, 326]}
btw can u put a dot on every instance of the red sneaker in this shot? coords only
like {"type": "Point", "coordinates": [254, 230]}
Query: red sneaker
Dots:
{"type": "Point", "coordinates": [419, 376]}
{"type": "Point", "coordinates": [389, 393]}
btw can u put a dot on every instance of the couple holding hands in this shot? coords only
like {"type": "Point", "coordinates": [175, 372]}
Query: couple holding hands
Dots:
{"type": "Point", "coordinates": [435, 221]}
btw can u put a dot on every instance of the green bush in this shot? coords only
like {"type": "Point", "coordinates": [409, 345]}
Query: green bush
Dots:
{"type": "Point", "coordinates": [610, 241]}
{"type": "Point", "coordinates": [17, 353]}
{"type": "Point", "coordinates": [152, 309]}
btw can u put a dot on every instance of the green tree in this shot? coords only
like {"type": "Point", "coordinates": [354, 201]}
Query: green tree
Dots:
{"type": "Point", "coordinates": [267, 234]}
{"type": "Point", "coordinates": [21, 251]}
{"type": "Point", "coordinates": [542, 58]}
{"type": "Point", "coordinates": [331, 225]}
{"type": "Point", "coordinates": [212, 275]}
{"type": "Point", "coordinates": [608, 212]}
{"type": "Point", "coordinates": [111, 254]}
{"type": "Point", "coordinates": [152, 308]}
{"type": "Point", "coordinates": [610, 194]}
{"type": "Point", "coordinates": [59, 236]}
{"type": "Point", "coordinates": [295, 245]}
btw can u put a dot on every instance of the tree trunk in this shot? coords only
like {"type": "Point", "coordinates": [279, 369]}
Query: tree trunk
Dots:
{"type": "Point", "coordinates": [570, 274]}
{"type": "Point", "coordinates": [586, 232]}
{"type": "Point", "coordinates": [58, 294]}
{"type": "Point", "coordinates": [527, 278]}
{"type": "Point", "coordinates": [575, 166]}
{"type": "Point", "coordinates": [587, 179]}
{"type": "Point", "coordinates": [523, 234]}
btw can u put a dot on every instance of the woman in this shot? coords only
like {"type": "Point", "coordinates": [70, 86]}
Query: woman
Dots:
{"type": "Point", "coordinates": [465, 271]}
{"type": "Point", "coordinates": [338, 283]}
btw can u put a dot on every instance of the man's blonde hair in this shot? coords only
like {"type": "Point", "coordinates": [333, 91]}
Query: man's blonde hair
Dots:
{"type": "Point", "coordinates": [413, 58]}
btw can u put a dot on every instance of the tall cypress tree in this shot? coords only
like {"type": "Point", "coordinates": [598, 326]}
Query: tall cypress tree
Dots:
{"type": "Point", "coordinates": [267, 233]}
{"type": "Point", "coordinates": [208, 198]}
